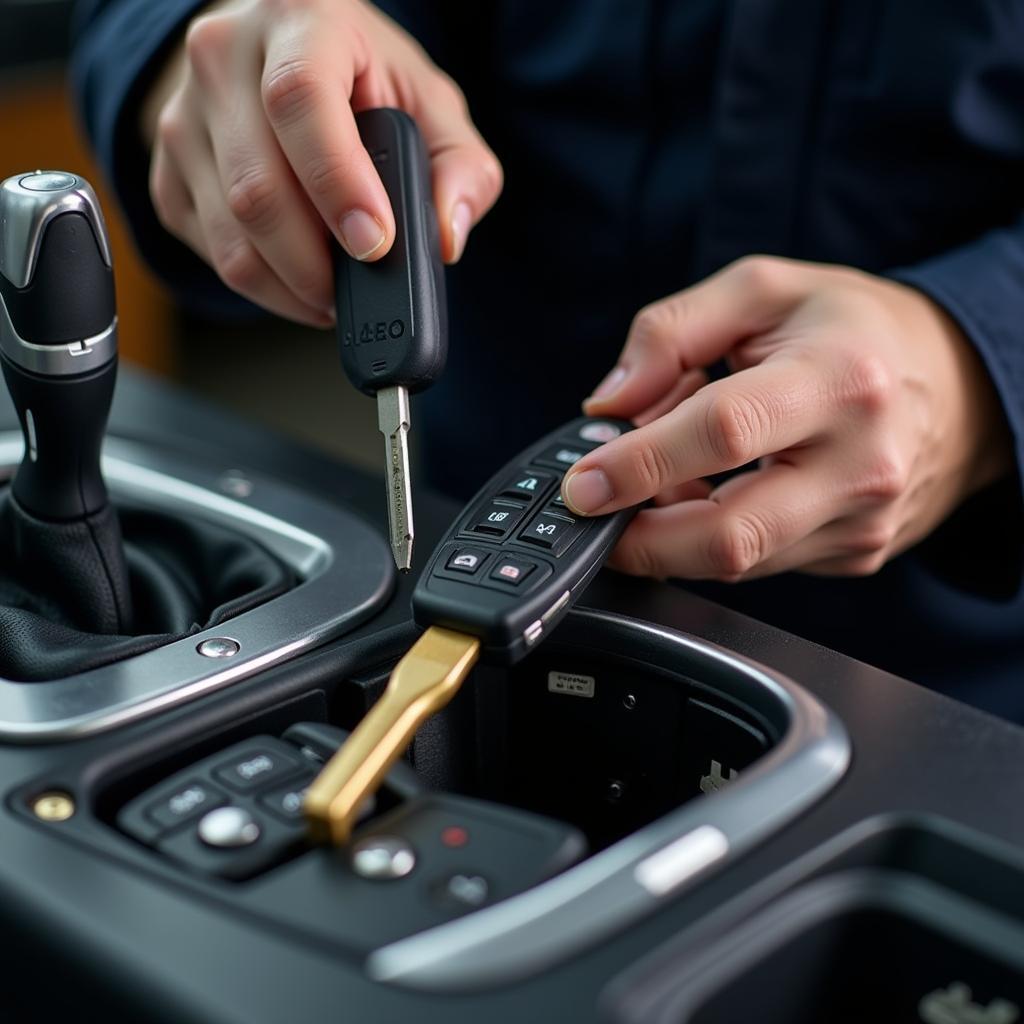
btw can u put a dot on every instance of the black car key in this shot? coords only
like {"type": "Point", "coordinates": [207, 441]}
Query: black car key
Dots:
{"type": "Point", "coordinates": [392, 313]}
{"type": "Point", "coordinates": [511, 566]}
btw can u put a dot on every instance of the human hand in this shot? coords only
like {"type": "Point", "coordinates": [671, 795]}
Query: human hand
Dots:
{"type": "Point", "coordinates": [869, 413]}
{"type": "Point", "coordinates": [256, 154]}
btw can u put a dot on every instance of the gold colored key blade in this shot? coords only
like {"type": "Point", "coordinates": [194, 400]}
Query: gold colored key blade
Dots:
{"type": "Point", "coordinates": [422, 682]}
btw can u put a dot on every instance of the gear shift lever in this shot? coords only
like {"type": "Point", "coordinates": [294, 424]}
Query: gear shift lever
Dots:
{"type": "Point", "coordinates": [74, 593]}
{"type": "Point", "coordinates": [58, 339]}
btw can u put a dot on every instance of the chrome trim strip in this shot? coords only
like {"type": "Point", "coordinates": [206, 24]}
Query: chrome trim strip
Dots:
{"type": "Point", "coordinates": [683, 858]}
{"type": "Point", "coordinates": [57, 360]}
{"type": "Point", "coordinates": [345, 566]}
{"type": "Point", "coordinates": [603, 894]}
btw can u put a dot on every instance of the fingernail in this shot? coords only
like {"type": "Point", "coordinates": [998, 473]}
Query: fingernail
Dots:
{"type": "Point", "coordinates": [587, 491]}
{"type": "Point", "coordinates": [329, 312]}
{"type": "Point", "coordinates": [462, 220]}
{"type": "Point", "coordinates": [610, 384]}
{"type": "Point", "coordinates": [361, 234]}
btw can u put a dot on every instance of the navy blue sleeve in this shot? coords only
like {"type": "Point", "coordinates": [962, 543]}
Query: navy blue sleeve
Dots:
{"type": "Point", "coordinates": [981, 285]}
{"type": "Point", "coordinates": [118, 48]}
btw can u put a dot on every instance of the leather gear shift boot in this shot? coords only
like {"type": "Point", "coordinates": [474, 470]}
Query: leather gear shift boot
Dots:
{"type": "Point", "coordinates": [73, 597]}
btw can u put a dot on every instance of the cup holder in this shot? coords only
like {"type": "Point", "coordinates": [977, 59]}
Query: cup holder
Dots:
{"type": "Point", "coordinates": [671, 755]}
{"type": "Point", "coordinates": [913, 924]}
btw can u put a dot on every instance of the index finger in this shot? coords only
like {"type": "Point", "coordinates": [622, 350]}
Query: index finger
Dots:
{"type": "Point", "coordinates": [307, 101]}
{"type": "Point", "coordinates": [760, 411]}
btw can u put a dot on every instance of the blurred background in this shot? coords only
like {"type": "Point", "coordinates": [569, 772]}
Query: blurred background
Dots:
{"type": "Point", "coordinates": [286, 376]}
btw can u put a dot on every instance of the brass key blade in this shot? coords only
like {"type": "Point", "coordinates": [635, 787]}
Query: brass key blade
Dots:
{"type": "Point", "coordinates": [422, 682]}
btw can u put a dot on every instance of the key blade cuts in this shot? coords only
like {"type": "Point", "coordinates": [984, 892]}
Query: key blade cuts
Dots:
{"type": "Point", "coordinates": [393, 419]}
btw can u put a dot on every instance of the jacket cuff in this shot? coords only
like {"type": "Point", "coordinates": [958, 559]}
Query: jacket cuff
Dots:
{"type": "Point", "coordinates": [980, 547]}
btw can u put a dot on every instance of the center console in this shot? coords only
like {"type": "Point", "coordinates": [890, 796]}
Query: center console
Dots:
{"type": "Point", "coordinates": [664, 813]}
{"type": "Point", "coordinates": [657, 812]}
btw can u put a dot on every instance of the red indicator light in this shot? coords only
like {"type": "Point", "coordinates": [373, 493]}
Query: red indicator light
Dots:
{"type": "Point", "coordinates": [454, 836]}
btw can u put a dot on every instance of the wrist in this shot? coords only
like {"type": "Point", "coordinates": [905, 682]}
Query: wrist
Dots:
{"type": "Point", "coordinates": [987, 453]}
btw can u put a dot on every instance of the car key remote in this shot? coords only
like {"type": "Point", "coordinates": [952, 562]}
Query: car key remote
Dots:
{"type": "Point", "coordinates": [512, 565]}
{"type": "Point", "coordinates": [392, 312]}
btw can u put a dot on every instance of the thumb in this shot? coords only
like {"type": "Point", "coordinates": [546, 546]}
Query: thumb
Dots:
{"type": "Point", "coordinates": [695, 328]}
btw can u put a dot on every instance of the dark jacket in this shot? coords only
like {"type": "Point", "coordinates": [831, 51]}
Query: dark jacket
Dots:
{"type": "Point", "coordinates": [645, 145]}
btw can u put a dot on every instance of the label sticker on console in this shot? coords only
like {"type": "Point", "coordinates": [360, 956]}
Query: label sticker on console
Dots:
{"type": "Point", "coordinates": [569, 682]}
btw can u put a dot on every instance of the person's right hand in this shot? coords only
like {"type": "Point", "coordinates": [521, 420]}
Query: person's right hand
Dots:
{"type": "Point", "coordinates": [256, 155]}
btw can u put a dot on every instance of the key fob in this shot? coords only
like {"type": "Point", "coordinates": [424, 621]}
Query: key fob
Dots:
{"type": "Point", "coordinates": [392, 312]}
{"type": "Point", "coordinates": [516, 559]}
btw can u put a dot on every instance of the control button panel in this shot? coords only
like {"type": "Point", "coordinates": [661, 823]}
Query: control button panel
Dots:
{"type": "Point", "coordinates": [233, 814]}
{"type": "Point", "coordinates": [500, 517]}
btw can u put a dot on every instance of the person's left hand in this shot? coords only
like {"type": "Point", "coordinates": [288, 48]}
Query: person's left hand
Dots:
{"type": "Point", "coordinates": [869, 413]}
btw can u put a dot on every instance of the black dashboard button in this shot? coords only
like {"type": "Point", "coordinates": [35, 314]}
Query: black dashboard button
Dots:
{"type": "Point", "coordinates": [256, 767]}
{"type": "Point", "coordinates": [190, 800]}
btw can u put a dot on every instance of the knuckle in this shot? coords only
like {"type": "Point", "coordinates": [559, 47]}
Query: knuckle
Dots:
{"type": "Point", "coordinates": [238, 265]}
{"type": "Point", "coordinates": [736, 546]}
{"type": "Point", "coordinates": [325, 177]}
{"type": "Point", "coordinates": [253, 199]}
{"type": "Point", "coordinates": [445, 91]}
{"type": "Point", "coordinates": [289, 89]}
{"type": "Point", "coordinates": [731, 427]}
{"type": "Point", "coordinates": [867, 385]}
{"type": "Point", "coordinates": [171, 128]}
{"type": "Point", "coordinates": [493, 174]}
{"type": "Point", "coordinates": [652, 323]}
{"type": "Point", "coordinates": [205, 41]}
{"type": "Point", "coordinates": [758, 274]}
{"type": "Point", "coordinates": [651, 467]}
{"type": "Point", "coordinates": [161, 194]}
{"type": "Point", "coordinates": [885, 480]}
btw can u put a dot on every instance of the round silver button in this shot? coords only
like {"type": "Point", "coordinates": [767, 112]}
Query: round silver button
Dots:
{"type": "Point", "coordinates": [228, 828]}
{"type": "Point", "coordinates": [48, 181]}
{"type": "Point", "coordinates": [383, 858]}
{"type": "Point", "coordinates": [219, 647]}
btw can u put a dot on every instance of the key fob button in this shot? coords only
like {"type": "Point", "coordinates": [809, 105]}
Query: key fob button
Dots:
{"type": "Point", "coordinates": [512, 570]}
{"type": "Point", "coordinates": [559, 510]}
{"type": "Point", "coordinates": [497, 519]}
{"type": "Point", "coordinates": [600, 431]}
{"type": "Point", "coordinates": [466, 560]}
{"type": "Point", "coordinates": [527, 484]}
{"type": "Point", "coordinates": [563, 456]}
{"type": "Point", "coordinates": [550, 532]}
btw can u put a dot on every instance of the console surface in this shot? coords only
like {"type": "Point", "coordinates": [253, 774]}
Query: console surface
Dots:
{"type": "Point", "coordinates": [140, 935]}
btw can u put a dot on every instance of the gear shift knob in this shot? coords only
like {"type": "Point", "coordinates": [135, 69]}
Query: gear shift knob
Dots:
{"type": "Point", "coordinates": [58, 338]}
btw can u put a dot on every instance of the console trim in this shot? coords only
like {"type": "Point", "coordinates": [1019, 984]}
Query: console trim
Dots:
{"type": "Point", "coordinates": [603, 894]}
{"type": "Point", "coordinates": [344, 565]}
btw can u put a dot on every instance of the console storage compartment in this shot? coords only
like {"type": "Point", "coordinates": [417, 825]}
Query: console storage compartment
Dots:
{"type": "Point", "coordinates": [914, 923]}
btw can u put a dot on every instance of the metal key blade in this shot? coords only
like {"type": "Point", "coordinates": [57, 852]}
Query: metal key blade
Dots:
{"type": "Point", "coordinates": [422, 682]}
{"type": "Point", "coordinates": [393, 419]}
